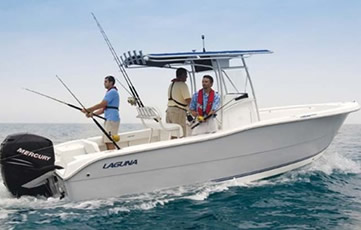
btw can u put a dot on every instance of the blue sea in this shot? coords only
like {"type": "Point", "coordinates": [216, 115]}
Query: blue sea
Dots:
{"type": "Point", "coordinates": [323, 195]}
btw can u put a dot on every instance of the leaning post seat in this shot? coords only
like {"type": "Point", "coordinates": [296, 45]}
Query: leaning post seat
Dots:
{"type": "Point", "coordinates": [154, 122]}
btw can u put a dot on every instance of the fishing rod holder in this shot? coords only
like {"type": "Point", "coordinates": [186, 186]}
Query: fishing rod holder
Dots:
{"type": "Point", "coordinates": [135, 59]}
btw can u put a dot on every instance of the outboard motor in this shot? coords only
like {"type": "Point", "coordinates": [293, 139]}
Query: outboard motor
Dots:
{"type": "Point", "coordinates": [27, 165]}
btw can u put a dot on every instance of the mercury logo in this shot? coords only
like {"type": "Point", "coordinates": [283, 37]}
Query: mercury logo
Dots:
{"type": "Point", "coordinates": [33, 155]}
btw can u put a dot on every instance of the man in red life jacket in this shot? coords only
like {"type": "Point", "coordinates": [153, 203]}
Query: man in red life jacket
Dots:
{"type": "Point", "coordinates": [204, 104]}
{"type": "Point", "coordinates": [178, 100]}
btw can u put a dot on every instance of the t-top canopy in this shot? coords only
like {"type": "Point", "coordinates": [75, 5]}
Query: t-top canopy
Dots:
{"type": "Point", "coordinates": [200, 59]}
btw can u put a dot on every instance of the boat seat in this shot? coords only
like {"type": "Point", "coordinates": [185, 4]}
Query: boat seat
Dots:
{"type": "Point", "coordinates": [151, 119]}
{"type": "Point", "coordinates": [67, 153]}
{"type": "Point", "coordinates": [90, 146]}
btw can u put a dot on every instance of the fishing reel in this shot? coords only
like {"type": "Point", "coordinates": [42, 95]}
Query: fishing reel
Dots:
{"type": "Point", "coordinates": [190, 118]}
{"type": "Point", "coordinates": [132, 101]}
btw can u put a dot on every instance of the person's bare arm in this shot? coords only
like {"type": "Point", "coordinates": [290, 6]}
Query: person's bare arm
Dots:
{"type": "Point", "coordinates": [99, 108]}
{"type": "Point", "coordinates": [99, 111]}
{"type": "Point", "coordinates": [100, 105]}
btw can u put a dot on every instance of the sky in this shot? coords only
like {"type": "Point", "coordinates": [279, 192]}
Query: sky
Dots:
{"type": "Point", "coordinates": [316, 45]}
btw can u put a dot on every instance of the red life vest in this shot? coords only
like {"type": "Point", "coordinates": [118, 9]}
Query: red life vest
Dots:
{"type": "Point", "coordinates": [209, 103]}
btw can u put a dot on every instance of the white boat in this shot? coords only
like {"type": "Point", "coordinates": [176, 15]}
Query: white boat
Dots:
{"type": "Point", "coordinates": [252, 143]}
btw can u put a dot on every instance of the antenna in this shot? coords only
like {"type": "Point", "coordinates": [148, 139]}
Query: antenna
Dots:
{"type": "Point", "coordinates": [204, 47]}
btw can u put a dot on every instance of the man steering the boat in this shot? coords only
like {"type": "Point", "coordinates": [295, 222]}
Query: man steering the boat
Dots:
{"type": "Point", "coordinates": [110, 107]}
{"type": "Point", "coordinates": [203, 106]}
{"type": "Point", "coordinates": [178, 100]}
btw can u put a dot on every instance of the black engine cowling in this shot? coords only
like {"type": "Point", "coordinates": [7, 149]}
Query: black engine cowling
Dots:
{"type": "Point", "coordinates": [25, 157]}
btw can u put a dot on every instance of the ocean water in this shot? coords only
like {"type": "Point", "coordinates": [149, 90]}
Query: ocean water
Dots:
{"type": "Point", "coordinates": [323, 195]}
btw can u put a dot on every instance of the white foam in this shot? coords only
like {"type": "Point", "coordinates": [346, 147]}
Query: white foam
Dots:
{"type": "Point", "coordinates": [30, 202]}
{"type": "Point", "coordinates": [329, 163]}
{"type": "Point", "coordinates": [68, 215]}
{"type": "Point", "coordinates": [118, 210]}
{"type": "Point", "coordinates": [64, 215]}
{"type": "Point", "coordinates": [4, 214]}
{"type": "Point", "coordinates": [333, 161]}
{"type": "Point", "coordinates": [89, 205]}
{"type": "Point", "coordinates": [148, 201]}
{"type": "Point", "coordinates": [46, 221]}
{"type": "Point", "coordinates": [203, 192]}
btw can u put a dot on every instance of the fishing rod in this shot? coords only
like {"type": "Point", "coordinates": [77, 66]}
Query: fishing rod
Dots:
{"type": "Point", "coordinates": [133, 91]}
{"type": "Point", "coordinates": [245, 95]}
{"type": "Point", "coordinates": [63, 102]}
{"type": "Point", "coordinates": [95, 121]}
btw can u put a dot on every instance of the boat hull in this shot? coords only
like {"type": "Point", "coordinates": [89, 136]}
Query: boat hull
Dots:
{"type": "Point", "coordinates": [250, 154]}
